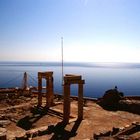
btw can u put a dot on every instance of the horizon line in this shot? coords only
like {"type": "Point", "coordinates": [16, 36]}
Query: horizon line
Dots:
{"type": "Point", "coordinates": [18, 61]}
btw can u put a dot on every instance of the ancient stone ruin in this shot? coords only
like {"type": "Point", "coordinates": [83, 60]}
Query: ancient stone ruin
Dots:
{"type": "Point", "coordinates": [126, 133]}
{"type": "Point", "coordinates": [51, 115]}
{"type": "Point", "coordinates": [68, 80]}
{"type": "Point", "coordinates": [48, 76]}
{"type": "Point", "coordinates": [37, 112]}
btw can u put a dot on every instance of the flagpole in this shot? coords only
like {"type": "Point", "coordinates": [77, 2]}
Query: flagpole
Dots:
{"type": "Point", "coordinates": [62, 59]}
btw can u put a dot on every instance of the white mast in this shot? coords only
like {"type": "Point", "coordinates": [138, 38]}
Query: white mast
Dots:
{"type": "Point", "coordinates": [62, 58]}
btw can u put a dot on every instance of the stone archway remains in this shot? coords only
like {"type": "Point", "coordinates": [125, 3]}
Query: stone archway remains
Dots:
{"type": "Point", "coordinates": [68, 80]}
{"type": "Point", "coordinates": [48, 76]}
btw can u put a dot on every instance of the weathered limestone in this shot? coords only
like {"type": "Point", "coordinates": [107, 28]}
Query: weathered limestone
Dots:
{"type": "Point", "coordinates": [48, 76]}
{"type": "Point", "coordinates": [36, 131]}
{"type": "Point", "coordinates": [4, 123]}
{"type": "Point", "coordinates": [129, 105]}
{"type": "Point", "coordinates": [68, 80]}
{"type": "Point", "coordinates": [119, 133]}
{"type": "Point", "coordinates": [3, 134]}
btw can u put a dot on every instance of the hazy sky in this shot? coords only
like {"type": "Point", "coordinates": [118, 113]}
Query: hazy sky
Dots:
{"type": "Point", "coordinates": [93, 30]}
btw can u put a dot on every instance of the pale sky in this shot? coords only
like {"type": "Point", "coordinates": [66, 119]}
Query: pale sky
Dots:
{"type": "Point", "coordinates": [93, 30]}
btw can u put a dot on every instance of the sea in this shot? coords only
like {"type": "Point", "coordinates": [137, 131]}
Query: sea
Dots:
{"type": "Point", "coordinates": [99, 77]}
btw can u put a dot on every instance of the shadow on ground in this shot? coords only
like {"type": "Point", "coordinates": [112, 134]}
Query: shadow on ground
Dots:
{"type": "Point", "coordinates": [59, 132]}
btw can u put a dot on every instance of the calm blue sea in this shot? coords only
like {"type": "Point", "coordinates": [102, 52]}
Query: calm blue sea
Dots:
{"type": "Point", "coordinates": [99, 77]}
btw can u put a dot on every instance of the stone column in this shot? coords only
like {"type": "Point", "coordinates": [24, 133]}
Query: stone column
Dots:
{"type": "Point", "coordinates": [66, 108]}
{"type": "Point", "coordinates": [80, 101]}
{"type": "Point", "coordinates": [39, 90]}
{"type": "Point", "coordinates": [47, 91]}
{"type": "Point", "coordinates": [51, 90]}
